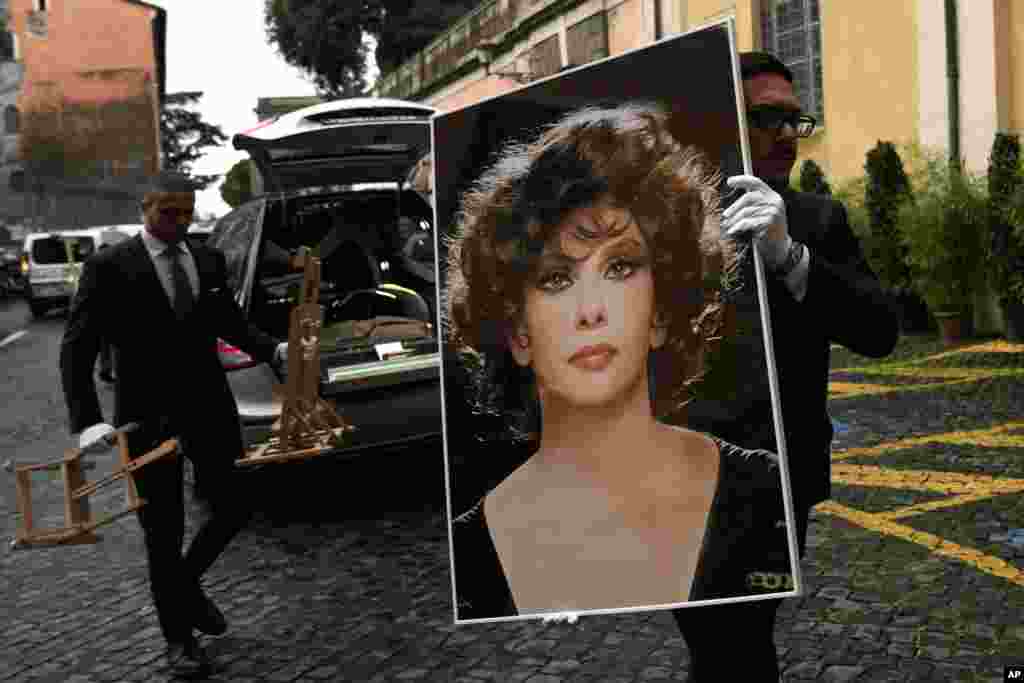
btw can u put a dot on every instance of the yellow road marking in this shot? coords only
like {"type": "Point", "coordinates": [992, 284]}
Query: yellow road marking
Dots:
{"type": "Point", "coordinates": [935, 544]}
{"type": "Point", "coordinates": [924, 480]}
{"type": "Point", "coordinates": [932, 505]}
{"type": "Point", "coordinates": [858, 388]}
{"type": "Point", "coordinates": [995, 346]}
{"type": "Point", "coordinates": [878, 389]}
{"type": "Point", "coordinates": [977, 437]}
{"type": "Point", "coordinates": [960, 489]}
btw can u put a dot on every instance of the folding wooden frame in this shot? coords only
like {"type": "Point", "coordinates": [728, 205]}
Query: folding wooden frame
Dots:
{"type": "Point", "coordinates": [308, 425]}
{"type": "Point", "coordinates": [80, 525]}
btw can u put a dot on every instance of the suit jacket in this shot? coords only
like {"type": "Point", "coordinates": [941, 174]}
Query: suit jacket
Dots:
{"type": "Point", "coordinates": [844, 304]}
{"type": "Point", "coordinates": [168, 375]}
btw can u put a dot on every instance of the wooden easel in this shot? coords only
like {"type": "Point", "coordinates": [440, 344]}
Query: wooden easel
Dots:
{"type": "Point", "coordinates": [79, 525]}
{"type": "Point", "coordinates": [308, 425]}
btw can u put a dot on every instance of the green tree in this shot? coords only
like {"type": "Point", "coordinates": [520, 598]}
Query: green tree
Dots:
{"type": "Point", "coordinates": [812, 178]}
{"type": "Point", "coordinates": [326, 39]}
{"type": "Point", "coordinates": [184, 135]}
{"type": "Point", "coordinates": [888, 188]}
{"type": "Point", "coordinates": [1006, 190]}
{"type": "Point", "coordinates": [237, 186]}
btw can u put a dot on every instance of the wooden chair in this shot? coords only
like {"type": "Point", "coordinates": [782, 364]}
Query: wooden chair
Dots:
{"type": "Point", "coordinates": [308, 425]}
{"type": "Point", "coordinates": [79, 524]}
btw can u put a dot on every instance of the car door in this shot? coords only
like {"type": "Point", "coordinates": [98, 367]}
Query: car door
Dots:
{"type": "Point", "coordinates": [237, 236]}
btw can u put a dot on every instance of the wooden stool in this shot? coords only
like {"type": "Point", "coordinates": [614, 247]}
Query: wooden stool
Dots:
{"type": "Point", "coordinates": [79, 522]}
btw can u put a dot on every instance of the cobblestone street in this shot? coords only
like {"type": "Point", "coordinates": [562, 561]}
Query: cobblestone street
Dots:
{"type": "Point", "coordinates": [343, 575]}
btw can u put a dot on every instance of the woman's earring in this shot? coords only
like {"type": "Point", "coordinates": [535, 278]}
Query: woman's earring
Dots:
{"type": "Point", "coordinates": [520, 347]}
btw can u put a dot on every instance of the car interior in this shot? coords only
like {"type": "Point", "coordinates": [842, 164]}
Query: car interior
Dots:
{"type": "Point", "coordinates": [375, 285]}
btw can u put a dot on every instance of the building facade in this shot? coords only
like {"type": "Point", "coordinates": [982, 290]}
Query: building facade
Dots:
{"type": "Point", "coordinates": [868, 71]}
{"type": "Point", "coordinates": [86, 109]}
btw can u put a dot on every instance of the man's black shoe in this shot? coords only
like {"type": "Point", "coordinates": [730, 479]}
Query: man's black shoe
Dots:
{"type": "Point", "coordinates": [187, 659]}
{"type": "Point", "coordinates": [206, 617]}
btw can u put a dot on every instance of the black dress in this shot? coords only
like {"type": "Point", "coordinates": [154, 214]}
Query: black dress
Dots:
{"type": "Point", "coordinates": [744, 551]}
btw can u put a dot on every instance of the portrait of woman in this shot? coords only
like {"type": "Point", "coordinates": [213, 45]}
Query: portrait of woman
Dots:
{"type": "Point", "coordinates": [576, 284]}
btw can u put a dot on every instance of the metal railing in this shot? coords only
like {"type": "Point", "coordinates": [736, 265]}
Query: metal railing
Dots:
{"type": "Point", "coordinates": [445, 54]}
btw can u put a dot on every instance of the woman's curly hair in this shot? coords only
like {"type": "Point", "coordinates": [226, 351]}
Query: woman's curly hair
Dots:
{"type": "Point", "coordinates": [626, 156]}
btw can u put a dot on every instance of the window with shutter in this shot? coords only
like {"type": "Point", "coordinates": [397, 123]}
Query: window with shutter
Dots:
{"type": "Point", "coordinates": [588, 40]}
{"type": "Point", "coordinates": [791, 30]}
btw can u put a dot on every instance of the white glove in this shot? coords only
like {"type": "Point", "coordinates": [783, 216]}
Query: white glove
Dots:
{"type": "Point", "coordinates": [91, 435]}
{"type": "Point", "coordinates": [761, 214]}
{"type": "Point", "coordinates": [280, 354]}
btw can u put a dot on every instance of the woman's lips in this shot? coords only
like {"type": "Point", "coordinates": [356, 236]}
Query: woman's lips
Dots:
{"type": "Point", "coordinates": [593, 357]}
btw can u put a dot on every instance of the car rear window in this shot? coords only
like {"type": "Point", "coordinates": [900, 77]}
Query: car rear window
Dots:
{"type": "Point", "coordinates": [234, 236]}
{"type": "Point", "coordinates": [50, 250]}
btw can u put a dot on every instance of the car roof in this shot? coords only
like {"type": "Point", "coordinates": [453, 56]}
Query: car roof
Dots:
{"type": "Point", "coordinates": [44, 234]}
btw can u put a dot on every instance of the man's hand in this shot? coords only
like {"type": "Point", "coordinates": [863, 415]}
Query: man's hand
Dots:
{"type": "Point", "coordinates": [761, 214]}
{"type": "Point", "coordinates": [92, 437]}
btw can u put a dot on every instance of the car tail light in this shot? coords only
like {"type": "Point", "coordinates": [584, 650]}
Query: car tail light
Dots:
{"type": "Point", "coordinates": [24, 264]}
{"type": "Point", "coordinates": [233, 358]}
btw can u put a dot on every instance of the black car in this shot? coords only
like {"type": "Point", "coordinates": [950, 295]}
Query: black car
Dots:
{"type": "Point", "coordinates": [334, 176]}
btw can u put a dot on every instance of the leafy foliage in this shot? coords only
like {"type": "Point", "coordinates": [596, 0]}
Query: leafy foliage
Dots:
{"type": "Point", "coordinates": [237, 186]}
{"type": "Point", "coordinates": [944, 229]}
{"type": "Point", "coordinates": [1006, 206]}
{"type": "Point", "coordinates": [184, 134]}
{"type": "Point", "coordinates": [67, 140]}
{"type": "Point", "coordinates": [888, 188]}
{"type": "Point", "coordinates": [812, 178]}
{"type": "Point", "coordinates": [326, 39]}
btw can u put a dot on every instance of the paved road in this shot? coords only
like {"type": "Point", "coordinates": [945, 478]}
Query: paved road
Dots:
{"type": "Point", "coordinates": [344, 576]}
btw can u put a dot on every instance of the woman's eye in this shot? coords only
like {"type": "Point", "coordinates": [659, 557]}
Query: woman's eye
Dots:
{"type": "Point", "coordinates": [620, 269]}
{"type": "Point", "coordinates": [554, 281]}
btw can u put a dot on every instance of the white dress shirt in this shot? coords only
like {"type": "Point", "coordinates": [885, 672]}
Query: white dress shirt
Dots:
{"type": "Point", "coordinates": [162, 263]}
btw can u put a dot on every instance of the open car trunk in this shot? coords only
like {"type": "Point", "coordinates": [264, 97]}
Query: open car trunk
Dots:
{"type": "Point", "coordinates": [339, 143]}
{"type": "Point", "coordinates": [379, 308]}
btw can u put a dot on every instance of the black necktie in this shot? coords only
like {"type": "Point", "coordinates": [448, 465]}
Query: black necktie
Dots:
{"type": "Point", "coordinates": [183, 298]}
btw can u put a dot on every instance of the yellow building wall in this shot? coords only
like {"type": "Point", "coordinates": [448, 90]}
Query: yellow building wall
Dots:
{"type": "Point", "coordinates": [869, 75]}
{"type": "Point", "coordinates": [625, 27]}
{"type": "Point", "coordinates": [748, 18]}
{"type": "Point", "coordinates": [869, 83]}
{"type": "Point", "coordinates": [1010, 37]}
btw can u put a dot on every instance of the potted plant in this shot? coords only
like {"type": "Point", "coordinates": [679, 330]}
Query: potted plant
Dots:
{"type": "Point", "coordinates": [1006, 248]}
{"type": "Point", "coordinates": [1009, 271]}
{"type": "Point", "coordinates": [945, 227]}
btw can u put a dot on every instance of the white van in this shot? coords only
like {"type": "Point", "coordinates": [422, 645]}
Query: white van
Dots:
{"type": "Point", "coordinates": [51, 263]}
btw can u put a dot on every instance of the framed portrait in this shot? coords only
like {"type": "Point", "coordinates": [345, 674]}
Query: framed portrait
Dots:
{"type": "Point", "coordinates": [607, 370]}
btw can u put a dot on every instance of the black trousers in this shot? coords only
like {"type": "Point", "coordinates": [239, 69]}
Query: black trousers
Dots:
{"type": "Point", "coordinates": [175, 577]}
{"type": "Point", "coordinates": [721, 638]}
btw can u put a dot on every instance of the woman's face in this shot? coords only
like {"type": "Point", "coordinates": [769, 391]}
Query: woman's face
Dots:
{"type": "Point", "coordinates": [589, 311]}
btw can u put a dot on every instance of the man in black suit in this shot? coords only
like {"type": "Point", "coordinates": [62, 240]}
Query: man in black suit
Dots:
{"type": "Point", "coordinates": [162, 305]}
{"type": "Point", "coordinates": [820, 291]}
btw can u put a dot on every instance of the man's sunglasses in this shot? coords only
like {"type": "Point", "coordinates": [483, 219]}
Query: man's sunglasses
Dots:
{"type": "Point", "coordinates": [773, 118]}
{"type": "Point", "coordinates": [174, 211]}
